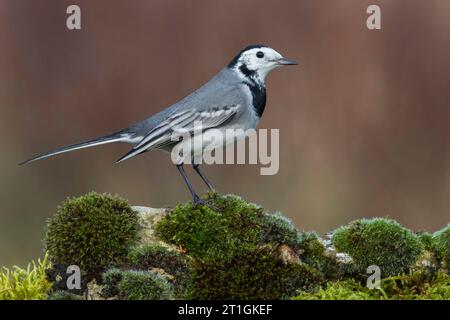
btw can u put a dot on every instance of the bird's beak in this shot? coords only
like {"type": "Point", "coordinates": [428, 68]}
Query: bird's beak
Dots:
{"type": "Point", "coordinates": [286, 62]}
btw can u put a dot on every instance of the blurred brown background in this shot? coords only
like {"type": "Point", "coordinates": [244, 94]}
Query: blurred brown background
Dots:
{"type": "Point", "coordinates": [364, 120]}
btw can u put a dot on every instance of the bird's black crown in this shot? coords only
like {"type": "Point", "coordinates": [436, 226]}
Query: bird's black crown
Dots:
{"type": "Point", "coordinates": [236, 58]}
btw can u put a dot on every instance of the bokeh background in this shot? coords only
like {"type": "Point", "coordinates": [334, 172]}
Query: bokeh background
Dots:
{"type": "Point", "coordinates": [364, 120]}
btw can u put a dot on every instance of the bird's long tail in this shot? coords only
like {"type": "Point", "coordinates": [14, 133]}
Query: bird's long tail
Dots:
{"type": "Point", "coordinates": [120, 136]}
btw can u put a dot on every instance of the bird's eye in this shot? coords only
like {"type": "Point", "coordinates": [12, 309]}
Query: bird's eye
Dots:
{"type": "Point", "coordinates": [260, 54]}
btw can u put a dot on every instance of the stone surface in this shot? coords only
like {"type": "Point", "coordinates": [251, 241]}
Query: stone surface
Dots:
{"type": "Point", "coordinates": [148, 217]}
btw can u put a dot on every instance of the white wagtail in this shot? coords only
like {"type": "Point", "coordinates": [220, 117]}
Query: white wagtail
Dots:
{"type": "Point", "coordinates": [234, 98]}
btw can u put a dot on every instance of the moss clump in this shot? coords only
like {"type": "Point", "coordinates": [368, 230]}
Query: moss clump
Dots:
{"type": "Point", "coordinates": [205, 233]}
{"type": "Point", "coordinates": [236, 250]}
{"type": "Point", "coordinates": [257, 274]}
{"type": "Point", "coordinates": [427, 240]}
{"type": "Point", "coordinates": [110, 280]}
{"type": "Point", "coordinates": [25, 284]}
{"type": "Point", "coordinates": [142, 285]}
{"type": "Point", "coordinates": [382, 242]}
{"type": "Point", "coordinates": [413, 286]}
{"type": "Point", "coordinates": [440, 243]}
{"type": "Point", "coordinates": [91, 232]}
{"type": "Point", "coordinates": [313, 252]}
{"type": "Point", "coordinates": [136, 285]}
{"type": "Point", "coordinates": [277, 229]}
{"type": "Point", "coordinates": [162, 257]}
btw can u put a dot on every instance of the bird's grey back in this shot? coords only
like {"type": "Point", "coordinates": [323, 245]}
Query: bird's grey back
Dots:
{"type": "Point", "coordinates": [224, 89]}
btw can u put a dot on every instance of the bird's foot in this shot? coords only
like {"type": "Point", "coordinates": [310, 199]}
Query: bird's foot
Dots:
{"type": "Point", "coordinates": [201, 202]}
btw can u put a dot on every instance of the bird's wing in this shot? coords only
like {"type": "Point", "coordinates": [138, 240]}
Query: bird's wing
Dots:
{"type": "Point", "coordinates": [183, 121]}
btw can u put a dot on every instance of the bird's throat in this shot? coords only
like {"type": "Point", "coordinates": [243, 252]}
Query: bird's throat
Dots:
{"type": "Point", "coordinates": [258, 92]}
{"type": "Point", "coordinates": [257, 88]}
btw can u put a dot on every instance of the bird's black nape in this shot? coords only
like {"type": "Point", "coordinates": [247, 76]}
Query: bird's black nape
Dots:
{"type": "Point", "coordinates": [236, 58]}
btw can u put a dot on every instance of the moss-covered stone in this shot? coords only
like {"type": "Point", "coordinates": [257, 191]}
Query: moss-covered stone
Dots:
{"type": "Point", "coordinates": [91, 232]}
{"type": "Point", "coordinates": [382, 242]}
{"type": "Point", "coordinates": [256, 274]}
{"type": "Point", "coordinates": [236, 250]}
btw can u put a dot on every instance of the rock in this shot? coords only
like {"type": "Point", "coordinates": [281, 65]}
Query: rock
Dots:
{"type": "Point", "coordinates": [148, 218]}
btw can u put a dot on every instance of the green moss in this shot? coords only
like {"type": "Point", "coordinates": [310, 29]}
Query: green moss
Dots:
{"type": "Point", "coordinates": [277, 229]}
{"type": "Point", "coordinates": [257, 274]}
{"type": "Point", "coordinates": [382, 242]}
{"type": "Point", "coordinates": [441, 246]}
{"type": "Point", "coordinates": [238, 252]}
{"type": "Point", "coordinates": [427, 240]}
{"type": "Point", "coordinates": [159, 256]}
{"type": "Point", "coordinates": [439, 289]}
{"type": "Point", "coordinates": [111, 279]}
{"type": "Point", "coordinates": [63, 295]}
{"type": "Point", "coordinates": [92, 232]}
{"type": "Point", "coordinates": [136, 285]}
{"type": "Point", "coordinates": [339, 290]}
{"type": "Point", "coordinates": [235, 250]}
{"type": "Point", "coordinates": [25, 284]}
{"type": "Point", "coordinates": [413, 286]}
{"type": "Point", "coordinates": [236, 226]}
{"type": "Point", "coordinates": [416, 285]}
{"type": "Point", "coordinates": [312, 252]}
{"type": "Point", "coordinates": [205, 233]}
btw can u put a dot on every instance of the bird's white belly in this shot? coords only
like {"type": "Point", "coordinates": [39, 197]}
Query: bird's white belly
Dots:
{"type": "Point", "coordinates": [209, 140]}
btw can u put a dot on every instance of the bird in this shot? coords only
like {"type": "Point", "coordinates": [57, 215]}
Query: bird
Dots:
{"type": "Point", "coordinates": [234, 98]}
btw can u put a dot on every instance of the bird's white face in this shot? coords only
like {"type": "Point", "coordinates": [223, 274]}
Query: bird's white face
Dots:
{"type": "Point", "coordinates": [260, 60]}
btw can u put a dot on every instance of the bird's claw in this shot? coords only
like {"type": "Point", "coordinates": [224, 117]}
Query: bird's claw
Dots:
{"type": "Point", "coordinates": [201, 202]}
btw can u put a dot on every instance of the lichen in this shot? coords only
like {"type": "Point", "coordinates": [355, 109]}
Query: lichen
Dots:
{"type": "Point", "coordinates": [381, 242]}
{"type": "Point", "coordinates": [91, 231]}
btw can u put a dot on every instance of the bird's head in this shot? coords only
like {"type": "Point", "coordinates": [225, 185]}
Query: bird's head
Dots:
{"type": "Point", "coordinates": [257, 61]}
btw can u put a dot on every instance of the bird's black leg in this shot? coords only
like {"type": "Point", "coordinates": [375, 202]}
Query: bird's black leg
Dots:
{"type": "Point", "coordinates": [204, 178]}
{"type": "Point", "coordinates": [195, 198]}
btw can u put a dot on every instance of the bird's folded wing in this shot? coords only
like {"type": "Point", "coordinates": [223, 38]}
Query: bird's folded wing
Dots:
{"type": "Point", "coordinates": [186, 121]}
